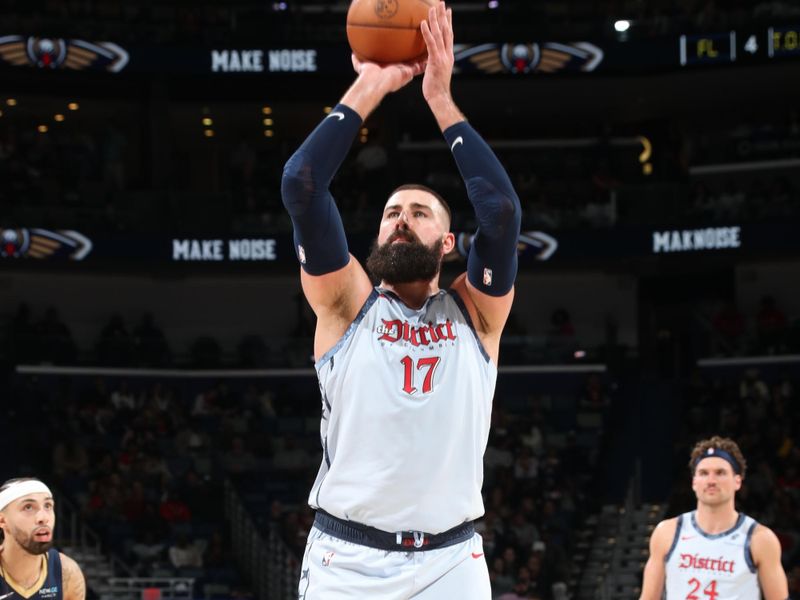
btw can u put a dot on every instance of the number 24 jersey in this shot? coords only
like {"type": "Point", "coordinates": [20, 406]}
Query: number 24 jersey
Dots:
{"type": "Point", "coordinates": [702, 566]}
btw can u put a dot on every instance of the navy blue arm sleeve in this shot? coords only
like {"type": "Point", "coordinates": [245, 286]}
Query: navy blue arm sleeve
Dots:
{"type": "Point", "coordinates": [319, 238]}
{"type": "Point", "coordinates": [492, 260]}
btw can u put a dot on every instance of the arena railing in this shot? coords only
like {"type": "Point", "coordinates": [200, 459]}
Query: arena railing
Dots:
{"type": "Point", "coordinates": [149, 588]}
{"type": "Point", "coordinates": [272, 567]}
{"type": "Point", "coordinates": [75, 533]}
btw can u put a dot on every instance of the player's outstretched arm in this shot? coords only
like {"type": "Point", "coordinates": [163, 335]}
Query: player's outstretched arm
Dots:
{"type": "Point", "coordinates": [334, 283]}
{"type": "Point", "coordinates": [73, 580]}
{"type": "Point", "coordinates": [766, 552]}
{"type": "Point", "coordinates": [492, 261]}
{"type": "Point", "coordinates": [655, 568]}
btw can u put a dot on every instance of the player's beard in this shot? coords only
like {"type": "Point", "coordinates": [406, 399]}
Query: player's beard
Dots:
{"type": "Point", "coordinates": [28, 544]}
{"type": "Point", "coordinates": [405, 262]}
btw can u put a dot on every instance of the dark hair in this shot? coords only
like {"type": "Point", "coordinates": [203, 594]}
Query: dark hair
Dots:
{"type": "Point", "coordinates": [425, 188]}
{"type": "Point", "coordinates": [721, 443]}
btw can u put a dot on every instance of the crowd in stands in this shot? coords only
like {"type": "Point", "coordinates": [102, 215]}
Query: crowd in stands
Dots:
{"type": "Point", "coordinates": [31, 340]}
{"type": "Point", "coordinates": [145, 461]}
{"type": "Point", "coordinates": [87, 178]}
{"type": "Point", "coordinates": [49, 340]}
{"type": "Point", "coordinates": [769, 331]}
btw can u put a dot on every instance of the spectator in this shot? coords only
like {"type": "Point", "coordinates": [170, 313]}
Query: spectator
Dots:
{"type": "Point", "coordinates": [238, 459]}
{"type": "Point", "coordinates": [502, 582]}
{"type": "Point", "coordinates": [23, 336]}
{"type": "Point", "coordinates": [115, 346]}
{"type": "Point", "coordinates": [561, 335]}
{"type": "Point", "coordinates": [148, 550]}
{"type": "Point", "coordinates": [70, 460]}
{"type": "Point", "coordinates": [123, 398]}
{"type": "Point", "coordinates": [771, 327]}
{"type": "Point", "coordinates": [55, 339]}
{"type": "Point", "coordinates": [291, 456]}
{"type": "Point", "coordinates": [173, 509]}
{"type": "Point", "coordinates": [150, 344]}
{"type": "Point", "coordinates": [728, 328]}
{"type": "Point", "coordinates": [215, 555]}
{"type": "Point", "coordinates": [184, 554]}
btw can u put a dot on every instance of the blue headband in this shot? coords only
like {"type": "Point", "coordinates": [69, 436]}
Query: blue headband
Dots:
{"type": "Point", "coordinates": [720, 453]}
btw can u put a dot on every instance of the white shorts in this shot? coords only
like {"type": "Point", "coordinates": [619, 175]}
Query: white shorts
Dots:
{"type": "Point", "coordinates": [334, 569]}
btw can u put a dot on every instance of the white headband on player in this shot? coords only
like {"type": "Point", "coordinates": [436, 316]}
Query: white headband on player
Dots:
{"type": "Point", "coordinates": [23, 488]}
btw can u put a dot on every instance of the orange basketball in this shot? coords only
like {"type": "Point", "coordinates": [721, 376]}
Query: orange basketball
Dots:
{"type": "Point", "coordinates": [387, 31]}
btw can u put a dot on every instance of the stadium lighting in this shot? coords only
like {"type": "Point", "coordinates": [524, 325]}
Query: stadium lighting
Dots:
{"type": "Point", "coordinates": [267, 110]}
{"type": "Point", "coordinates": [279, 6]}
{"type": "Point", "coordinates": [11, 102]}
{"type": "Point", "coordinates": [42, 129]}
{"type": "Point", "coordinates": [207, 121]}
{"type": "Point", "coordinates": [267, 122]}
{"type": "Point", "coordinates": [268, 133]}
{"type": "Point", "coordinates": [73, 106]}
{"type": "Point", "coordinates": [58, 118]}
{"type": "Point", "coordinates": [622, 25]}
{"type": "Point", "coordinates": [493, 4]}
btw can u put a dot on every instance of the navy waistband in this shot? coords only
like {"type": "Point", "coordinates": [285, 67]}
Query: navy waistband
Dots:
{"type": "Point", "coordinates": [400, 541]}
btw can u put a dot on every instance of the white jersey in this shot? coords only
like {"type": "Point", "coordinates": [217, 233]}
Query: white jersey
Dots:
{"type": "Point", "coordinates": [406, 407]}
{"type": "Point", "coordinates": [701, 566]}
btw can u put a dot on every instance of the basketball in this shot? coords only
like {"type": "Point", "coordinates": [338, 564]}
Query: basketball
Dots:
{"type": "Point", "coordinates": [387, 31]}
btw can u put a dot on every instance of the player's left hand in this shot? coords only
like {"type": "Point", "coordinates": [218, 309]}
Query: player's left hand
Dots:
{"type": "Point", "coordinates": [437, 31]}
{"type": "Point", "coordinates": [390, 77]}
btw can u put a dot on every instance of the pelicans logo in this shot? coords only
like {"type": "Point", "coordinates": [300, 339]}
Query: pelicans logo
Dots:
{"type": "Point", "coordinates": [517, 59]}
{"type": "Point", "coordinates": [57, 53]}
{"type": "Point", "coordinates": [540, 244]}
{"type": "Point", "coordinates": [43, 244]}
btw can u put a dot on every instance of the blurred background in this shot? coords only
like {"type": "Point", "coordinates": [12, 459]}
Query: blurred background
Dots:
{"type": "Point", "coordinates": [155, 350]}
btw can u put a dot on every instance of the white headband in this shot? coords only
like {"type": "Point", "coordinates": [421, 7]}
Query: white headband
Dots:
{"type": "Point", "coordinates": [17, 490]}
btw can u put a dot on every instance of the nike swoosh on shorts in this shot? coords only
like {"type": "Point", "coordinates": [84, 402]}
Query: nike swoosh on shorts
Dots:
{"type": "Point", "coordinates": [336, 114]}
{"type": "Point", "coordinates": [456, 142]}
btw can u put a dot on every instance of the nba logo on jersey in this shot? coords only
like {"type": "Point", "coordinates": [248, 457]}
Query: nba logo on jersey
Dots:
{"type": "Point", "coordinates": [326, 560]}
{"type": "Point", "coordinates": [487, 277]}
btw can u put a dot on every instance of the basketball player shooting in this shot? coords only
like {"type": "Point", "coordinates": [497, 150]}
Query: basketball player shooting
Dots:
{"type": "Point", "coordinates": [714, 552]}
{"type": "Point", "coordinates": [30, 568]}
{"type": "Point", "coordinates": [407, 370]}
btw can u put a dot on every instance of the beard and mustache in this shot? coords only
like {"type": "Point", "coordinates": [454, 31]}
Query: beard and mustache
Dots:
{"type": "Point", "coordinates": [27, 543]}
{"type": "Point", "coordinates": [406, 262]}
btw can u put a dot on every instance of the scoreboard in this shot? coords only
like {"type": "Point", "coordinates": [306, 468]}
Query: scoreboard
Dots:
{"type": "Point", "coordinates": [739, 46]}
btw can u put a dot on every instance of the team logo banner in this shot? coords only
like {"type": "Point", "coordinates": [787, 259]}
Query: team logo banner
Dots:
{"type": "Point", "coordinates": [516, 59]}
{"type": "Point", "coordinates": [59, 53]}
{"type": "Point", "coordinates": [43, 244]}
{"type": "Point", "coordinates": [536, 245]}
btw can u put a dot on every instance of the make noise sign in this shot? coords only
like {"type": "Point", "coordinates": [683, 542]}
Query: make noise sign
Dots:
{"type": "Point", "coordinates": [217, 250]}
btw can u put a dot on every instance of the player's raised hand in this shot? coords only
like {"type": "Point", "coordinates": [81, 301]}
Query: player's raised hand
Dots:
{"type": "Point", "coordinates": [387, 77]}
{"type": "Point", "coordinates": [437, 31]}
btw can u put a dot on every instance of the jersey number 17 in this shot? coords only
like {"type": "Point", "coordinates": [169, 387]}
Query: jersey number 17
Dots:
{"type": "Point", "coordinates": [427, 365]}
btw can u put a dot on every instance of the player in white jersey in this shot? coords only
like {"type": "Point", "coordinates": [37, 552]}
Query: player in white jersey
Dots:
{"type": "Point", "coordinates": [714, 552]}
{"type": "Point", "coordinates": [406, 370]}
